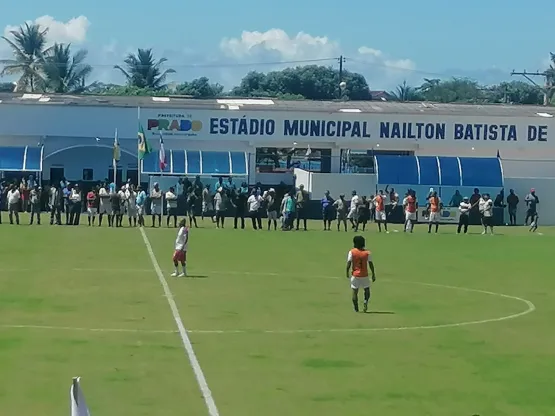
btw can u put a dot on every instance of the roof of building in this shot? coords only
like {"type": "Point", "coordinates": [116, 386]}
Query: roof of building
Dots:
{"type": "Point", "coordinates": [266, 104]}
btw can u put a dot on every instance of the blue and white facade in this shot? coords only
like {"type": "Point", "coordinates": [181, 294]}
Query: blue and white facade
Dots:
{"type": "Point", "coordinates": [75, 135]}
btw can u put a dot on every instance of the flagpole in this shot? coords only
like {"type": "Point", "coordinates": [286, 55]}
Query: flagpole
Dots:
{"type": "Point", "coordinates": [114, 161]}
{"type": "Point", "coordinates": [138, 159]}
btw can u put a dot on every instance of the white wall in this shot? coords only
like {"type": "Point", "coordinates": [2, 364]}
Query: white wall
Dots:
{"type": "Point", "coordinates": [544, 189]}
{"type": "Point", "coordinates": [345, 183]}
{"type": "Point", "coordinates": [528, 168]}
{"type": "Point", "coordinates": [98, 159]}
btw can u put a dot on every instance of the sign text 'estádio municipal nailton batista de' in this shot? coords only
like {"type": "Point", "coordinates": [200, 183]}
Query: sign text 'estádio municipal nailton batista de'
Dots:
{"type": "Point", "coordinates": [370, 127]}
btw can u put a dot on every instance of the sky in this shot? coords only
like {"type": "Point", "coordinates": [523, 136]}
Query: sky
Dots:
{"type": "Point", "coordinates": [387, 42]}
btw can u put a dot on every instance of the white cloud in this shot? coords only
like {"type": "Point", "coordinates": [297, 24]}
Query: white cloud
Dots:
{"type": "Point", "coordinates": [73, 31]}
{"type": "Point", "coordinates": [279, 44]}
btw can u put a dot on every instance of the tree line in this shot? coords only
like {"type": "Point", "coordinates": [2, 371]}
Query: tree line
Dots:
{"type": "Point", "coordinates": [59, 68]}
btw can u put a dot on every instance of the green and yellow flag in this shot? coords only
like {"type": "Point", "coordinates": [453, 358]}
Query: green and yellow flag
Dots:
{"type": "Point", "coordinates": [144, 146]}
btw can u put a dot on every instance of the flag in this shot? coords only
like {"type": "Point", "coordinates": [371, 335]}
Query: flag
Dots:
{"type": "Point", "coordinates": [498, 154]}
{"type": "Point", "coordinates": [162, 154]}
{"type": "Point", "coordinates": [144, 146]}
{"type": "Point", "coordinates": [117, 151]}
{"type": "Point", "coordinates": [77, 399]}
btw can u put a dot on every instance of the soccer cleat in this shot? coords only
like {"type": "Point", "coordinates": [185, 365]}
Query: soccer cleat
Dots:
{"type": "Point", "coordinates": [182, 275]}
{"type": "Point", "coordinates": [174, 274]}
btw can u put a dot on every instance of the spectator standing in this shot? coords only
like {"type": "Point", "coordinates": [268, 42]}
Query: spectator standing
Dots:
{"type": "Point", "coordinates": [272, 206]}
{"type": "Point", "coordinates": [327, 210]}
{"type": "Point", "coordinates": [192, 199]}
{"type": "Point", "coordinates": [487, 214]}
{"type": "Point", "coordinates": [464, 211]}
{"type": "Point", "coordinates": [56, 203]}
{"type": "Point", "coordinates": [239, 198]}
{"type": "Point", "coordinates": [352, 215]}
{"type": "Point", "coordinates": [140, 202]}
{"type": "Point", "coordinates": [131, 199]}
{"type": "Point", "coordinates": [220, 207]}
{"type": "Point", "coordinates": [34, 200]}
{"type": "Point", "coordinates": [456, 199]}
{"type": "Point", "coordinates": [171, 205]}
{"type": "Point", "coordinates": [302, 199]}
{"type": "Point", "coordinates": [254, 203]}
{"type": "Point", "coordinates": [156, 205]}
{"type": "Point", "coordinates": [512, 204]}
{"type": "Point", "coordinates": [341, 212]}
{"type": "Point", "coordinates": [207, 203]}
{"type": "Point", "coordinates": [290, 207]}
{"type": "Point", "coordinates": [91, 207]}
{"type": "Point", "coordinates": [67, 201]}
{"type": "Point", "coordinates": [105, 205]}
{"type": "Point", "coordinates": [76, 206]}
{"type": "Point", "coordinates": [14, 198]}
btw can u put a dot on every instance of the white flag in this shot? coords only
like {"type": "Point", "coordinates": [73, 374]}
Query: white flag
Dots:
{"type": "Point", "coordinates": [77, 399]}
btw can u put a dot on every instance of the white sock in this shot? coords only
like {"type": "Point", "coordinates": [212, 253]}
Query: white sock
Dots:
{"type": "Point", "coordinates": [176, 270]}
{"type": "Point", "coordinates": [184, 267]}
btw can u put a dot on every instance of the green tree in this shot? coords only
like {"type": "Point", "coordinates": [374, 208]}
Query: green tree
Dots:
{"type": "Point", "coordinates": [200, 88]}
{"type": "Point", "coordinates": [311, 82]}
{"type": "Point", "coordinates": [455, 90]}
{"type": "Point", "coordinates": [28, 45]}
{"type": "Point", "coordinates": [405, 92]}
{"type": "Point", "coordinates": [515, 92]}
{"type": "Point", "coordinates": [65, 73]}
{"type": "Point", "coordinates": [144, 71]}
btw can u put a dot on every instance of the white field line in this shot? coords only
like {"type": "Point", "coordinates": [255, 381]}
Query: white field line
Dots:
{"type": "Point", "coordinates": [530, 308]}
{"type": "Point", "coordinates": [199, 374]}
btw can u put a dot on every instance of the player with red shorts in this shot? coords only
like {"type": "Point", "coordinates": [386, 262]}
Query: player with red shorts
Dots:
{"type": "Point", "coordinates": [180, 253]}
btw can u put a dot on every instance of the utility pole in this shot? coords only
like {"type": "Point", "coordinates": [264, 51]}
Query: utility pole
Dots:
{"type": "Point", "coordinates": [548, 82]}
{"type": "Point", "coordinates": [341, 61]}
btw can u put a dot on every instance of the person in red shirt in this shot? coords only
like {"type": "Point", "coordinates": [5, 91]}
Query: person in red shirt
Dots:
{"type": "Point", "coordinates": [91, 206]}
{"type": "Point", "coordinates": [359, 260]}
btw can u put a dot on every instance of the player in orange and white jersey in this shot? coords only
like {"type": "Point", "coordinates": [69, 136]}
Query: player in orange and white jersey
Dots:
{"type": "Point", "coordinates": [410, 206]}
{"type": "Point", "coordinates": [359, 261]}
{"type": "Point", "coordinates": [381, 216]}
{"type": "Point", "coordinates": [434, 206]}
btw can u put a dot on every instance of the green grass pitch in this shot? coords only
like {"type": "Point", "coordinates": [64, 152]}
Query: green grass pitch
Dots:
{"type": "Point", "coordinates": [459, 325]}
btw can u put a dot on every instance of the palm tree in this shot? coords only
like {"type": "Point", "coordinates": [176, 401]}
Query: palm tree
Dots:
{"type": "Point", "coordinates": [143, 71]}
{"type": "Point", "coordinates": [65, 73]}
{"type": "Point", "coordinates": [28, 45]}
{"type": "Point", "coordinates": [405, 92]}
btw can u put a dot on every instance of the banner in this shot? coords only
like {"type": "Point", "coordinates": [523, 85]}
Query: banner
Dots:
{"type": "Point", "coordinates": [448, 215]}
{"type": "Point", "coordinates": [77, 399]}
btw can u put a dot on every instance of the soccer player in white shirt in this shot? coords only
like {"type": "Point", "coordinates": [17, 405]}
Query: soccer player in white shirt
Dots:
{"type": "Point", "coordinates": [131, 199]}
{"type": "Point", "coordinates": [13, 203]}
{"type": "Point", "coordinates": [464, 211]}
{"type": "Point", "coordinates": [180, 253]}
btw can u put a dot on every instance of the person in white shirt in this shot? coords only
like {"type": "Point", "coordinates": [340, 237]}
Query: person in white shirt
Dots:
{"type": "Point", "coordinates": [105, 207]}
{"type": "Point", "coordinates": [131, 200]}
{"type": "Point", "coordinates": [254, 204]}
{"type": "Point", "coordinates": [486, 208]}
{"type": "Point", "coordinates": [180, 253]}
{"type": "Point", "coordinates": [14, 196]}
{"type": "Point", "coordinates": [123, 205]}
{"type": "Point", "coordinates": [352, 215]}
{"type": "Point", "coordinates": [220, 201]}
{"type": "Point", "coordinates": [464, 213]}
{"type": "Point", "coordinates": [282, 210]}
{"type": "Point", "coordinates": [76, 207]}
{"type": "Point", "coordinates": [171, 205]}
{"type": "Point", "coordinates": [156, 205]}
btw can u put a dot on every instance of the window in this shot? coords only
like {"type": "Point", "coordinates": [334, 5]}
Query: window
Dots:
{"type": "Point", "coordinates": [87, 175]}
{"type": "Point", "coordinates": [362, 161]}
{"type": "Point", "coordinates": [276, 160]}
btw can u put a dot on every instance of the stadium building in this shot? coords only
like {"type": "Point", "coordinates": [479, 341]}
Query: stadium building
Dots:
{"type": "Point", "coordinates": [338, 146]}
